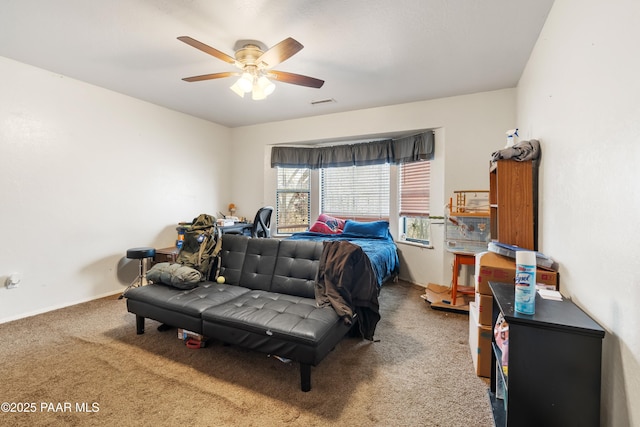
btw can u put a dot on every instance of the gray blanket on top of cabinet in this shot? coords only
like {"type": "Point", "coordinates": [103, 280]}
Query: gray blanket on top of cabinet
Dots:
{"type": "Point", "coordinates": [522, 151]}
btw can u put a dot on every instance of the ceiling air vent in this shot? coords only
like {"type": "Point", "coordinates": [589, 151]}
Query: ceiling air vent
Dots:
{"type": "Point", "coordinates": [323, 101]}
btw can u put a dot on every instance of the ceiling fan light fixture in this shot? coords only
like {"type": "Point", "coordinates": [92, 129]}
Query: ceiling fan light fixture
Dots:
{"type": "Point", "coordinates": [245, 82]}
{"type": "Point", "coordinates": [266, 85]}
{"type": "Point", "coordinates": [260, 87]}
{"type": "Point", "coordinates": [255, 61]}
{"type": "Point", "coordinates": [237, 89]}
{"type": "Point", "coordinates": [258, 93]}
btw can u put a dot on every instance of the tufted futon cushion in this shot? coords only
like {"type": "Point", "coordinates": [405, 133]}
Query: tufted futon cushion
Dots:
{"type": "Point", "coordinates": [232, 257]}
{"type": "Point", "coordinates": [296, 268]}
{"type": "Point", "coordinates": [259, 263]}
{"type": "Point", "coordinates": [192, 302]}
{"type": "Point", "coordinates": [180, 308]}
{"type": "Point", "coordinates": [283, 316]}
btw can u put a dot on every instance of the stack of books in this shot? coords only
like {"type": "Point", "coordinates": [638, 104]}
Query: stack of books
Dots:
{"type": "Point", "coordinates": [542, 260]}
{"type": "Point", "coordinates": [192, 339]}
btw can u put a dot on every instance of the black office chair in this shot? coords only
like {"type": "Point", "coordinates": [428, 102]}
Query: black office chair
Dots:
{"type": "Point", "coordinates": [262, 222]}
{"type": "Point", "coordinates": [260, 226]}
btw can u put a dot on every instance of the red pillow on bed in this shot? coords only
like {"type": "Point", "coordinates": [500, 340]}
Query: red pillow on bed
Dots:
{"type": "Point", "coordinates": [328, 225]}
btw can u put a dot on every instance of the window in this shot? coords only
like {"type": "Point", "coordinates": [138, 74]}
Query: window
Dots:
{"type": "Point", "coordinates": [292, 200]}
{"type": "Point", "coordinates": [414, 201]}
{"type": "Point", "coordinates": [356, 192]}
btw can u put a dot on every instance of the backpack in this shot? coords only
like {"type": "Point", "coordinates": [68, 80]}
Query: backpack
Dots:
{"type": "Point", "coordinates": [201, 245]}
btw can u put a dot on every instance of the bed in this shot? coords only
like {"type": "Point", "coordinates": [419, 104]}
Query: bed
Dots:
{"type": "Point", "coordinates": [357, 259]}
{"type": "Point", "coordinates": [373, 237]}
{"type": "Point", "coordinates": [381, 251]}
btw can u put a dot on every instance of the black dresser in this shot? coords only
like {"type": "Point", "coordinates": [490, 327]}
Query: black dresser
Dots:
{"type": "Point", "coordinates": [554, 364]}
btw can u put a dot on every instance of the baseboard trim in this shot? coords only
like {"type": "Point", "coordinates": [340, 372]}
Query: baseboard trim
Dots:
{"type": "Point", "coordinates": [58, 307]}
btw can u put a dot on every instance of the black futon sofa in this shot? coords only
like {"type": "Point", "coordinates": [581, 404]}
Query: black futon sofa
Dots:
{"type": "Point", "coordinates": [267, 302]}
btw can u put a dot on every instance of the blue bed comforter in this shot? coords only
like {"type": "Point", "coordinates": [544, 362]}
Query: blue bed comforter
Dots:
{"type": "Point", "coordinates": [381, 251]}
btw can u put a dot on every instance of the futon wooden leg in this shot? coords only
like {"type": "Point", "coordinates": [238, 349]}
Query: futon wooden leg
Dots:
{"type": "Point", "coordinates": [305, 376]}
{"type": "Point", "coordinates": [139, 325]}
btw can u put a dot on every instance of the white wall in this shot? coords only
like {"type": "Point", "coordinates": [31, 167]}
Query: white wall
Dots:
{"type": "Point", "coordinates": [85, 174]}
{"type": "Point", "coordinates": [580, 95]}
{"type": "Point", "coordinates": [468, 129]}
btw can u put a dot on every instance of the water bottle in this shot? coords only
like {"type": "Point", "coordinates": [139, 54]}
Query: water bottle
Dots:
{"type": "Point", "coordinates": [525, 299]}
{"type": "Point", "coordinates": [180, 241]}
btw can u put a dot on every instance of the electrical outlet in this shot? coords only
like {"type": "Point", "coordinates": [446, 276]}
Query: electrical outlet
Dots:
{"type": "Point", "coordinates": [13, 281]}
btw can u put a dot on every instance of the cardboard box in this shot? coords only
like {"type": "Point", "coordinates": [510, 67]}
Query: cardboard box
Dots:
{"type": "Point", "coordinates": [497, 268]}
{"type": "Point", "coordinates": [484, 306]}
{"type": "Point", "coordinates": [479, 343]}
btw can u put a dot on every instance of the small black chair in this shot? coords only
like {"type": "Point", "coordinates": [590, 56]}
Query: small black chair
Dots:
{"type": "Point", "coordinates": [142, 255]}
{"type": "Point", "coordinates": [260, 226]}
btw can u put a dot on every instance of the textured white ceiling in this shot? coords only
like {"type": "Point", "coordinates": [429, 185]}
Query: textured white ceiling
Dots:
{"type": "Point", "coordinates": [369, 52]}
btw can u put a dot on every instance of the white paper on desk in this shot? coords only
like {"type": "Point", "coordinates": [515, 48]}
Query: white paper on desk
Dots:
{"type": "Point", "coordinates": [549, 294]}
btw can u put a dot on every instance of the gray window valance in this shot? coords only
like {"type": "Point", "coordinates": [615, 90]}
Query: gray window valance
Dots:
{"type": "Point", "coordinates": [403, 150]}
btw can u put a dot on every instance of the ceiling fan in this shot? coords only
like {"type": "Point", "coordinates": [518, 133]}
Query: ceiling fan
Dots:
{"type": "Point", "coordinates": [255, 62]}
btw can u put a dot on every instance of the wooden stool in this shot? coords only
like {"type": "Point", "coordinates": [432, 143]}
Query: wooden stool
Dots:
{"type": "Point", "coordinates": [460, 259]}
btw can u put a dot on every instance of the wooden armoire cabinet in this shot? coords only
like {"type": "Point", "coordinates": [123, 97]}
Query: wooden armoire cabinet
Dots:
{"type": "Point", "coordinates": [513, 201]}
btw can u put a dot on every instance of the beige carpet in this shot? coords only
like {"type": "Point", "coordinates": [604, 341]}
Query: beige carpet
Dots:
{"type": "Point", "coordinates": [85, 365]}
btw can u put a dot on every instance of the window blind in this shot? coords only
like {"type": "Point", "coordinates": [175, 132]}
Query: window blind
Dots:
{"type": "Point", "coordinates": [292, 200]}
{"type": "Point", "coordinates": [414, 188]}
{"type": "Point", "coordinates": [356, 191]}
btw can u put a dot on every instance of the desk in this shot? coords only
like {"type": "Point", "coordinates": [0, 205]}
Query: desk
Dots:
{"type": "Point", "coordinates": [237, 227]}
{"type": "Point", "coordinates": [166, 255]}
{"type": "Point", "coordinates": [170, 255]}
{"type": "Point", "coordinates": [460, 258]}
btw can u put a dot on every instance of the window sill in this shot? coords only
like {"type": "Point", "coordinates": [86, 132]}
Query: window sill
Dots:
{"type": "Point", "coordinates": [416, 244]}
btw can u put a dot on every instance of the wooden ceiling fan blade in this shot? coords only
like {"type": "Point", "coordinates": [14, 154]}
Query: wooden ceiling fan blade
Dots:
{"type": "Point", "coordinates": [280, 52]}
{"type": "Point", "coordinates": [211, 76]}
{"type": "Point", "coordinates": [296, 79]}
{"type": "Point", "coordinates": [207, 49]}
